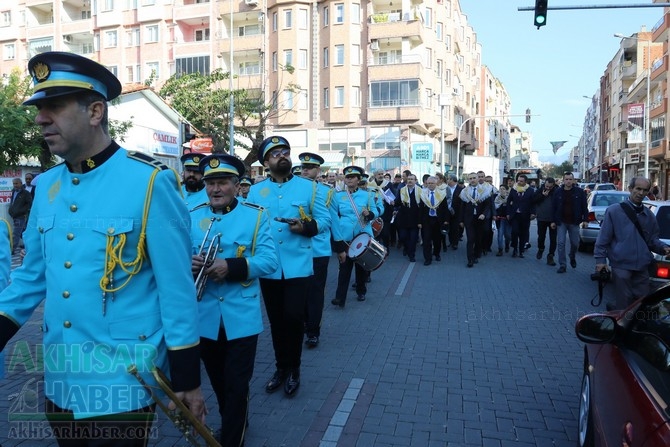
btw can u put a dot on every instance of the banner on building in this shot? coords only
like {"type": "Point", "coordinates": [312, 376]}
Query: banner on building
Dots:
{"type": "Point", "coordinates": [422, 152]}
{"type": "Point", "coordinates": [635, 125]}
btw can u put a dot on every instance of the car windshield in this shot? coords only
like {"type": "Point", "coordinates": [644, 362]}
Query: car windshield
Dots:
{"type": "Point", "coordinates": [605, 187]}
{"type": "Point", "coordinates": [663, 219]}
{"type": "Point", "coordinates": [600, 199]}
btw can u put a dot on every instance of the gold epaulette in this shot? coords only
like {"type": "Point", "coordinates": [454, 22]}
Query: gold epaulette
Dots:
{"type": "Point", "coordinates": [148, 159]}
{"type": "Point", "coordinates": [253, 205]}
{"type": "Point", "coordinates": [202, 205]}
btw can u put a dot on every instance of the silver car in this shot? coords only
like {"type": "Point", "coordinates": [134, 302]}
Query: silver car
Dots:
{"type": "Point", "coordinates": [597, 203]}
{"type": "Point", "coordinates": [661, 210]}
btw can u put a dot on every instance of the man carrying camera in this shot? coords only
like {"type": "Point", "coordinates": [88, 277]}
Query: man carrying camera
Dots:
{"type": "Point", "coordinates": [628, 233]}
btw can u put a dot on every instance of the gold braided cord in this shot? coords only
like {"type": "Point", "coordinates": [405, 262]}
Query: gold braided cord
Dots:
{"type": "Point", "coordinates": [114, 251]}
{"type": "Point", "coordinates": [11, 236]}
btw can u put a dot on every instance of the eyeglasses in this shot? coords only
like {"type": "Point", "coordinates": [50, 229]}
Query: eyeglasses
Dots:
{"type": "Point", "coordinates": [276, 153]}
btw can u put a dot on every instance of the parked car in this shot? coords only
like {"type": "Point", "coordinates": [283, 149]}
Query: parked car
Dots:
{"type": "Point", "coordinates": [661, 209]}
{"type": "Point", "coordinates": [626, 374]}
{"type": "Point", "coordinates": [604, 187]}
{"type": "Point", "coordinates": [597, 202]}
{"type": "Point", "coordinates": [588, 187]}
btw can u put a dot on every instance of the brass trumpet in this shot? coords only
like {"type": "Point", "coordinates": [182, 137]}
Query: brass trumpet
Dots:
{"type": "Point", "coordinates": [210, 256]}
{"type": "Point", "coordinates": [181, 417]}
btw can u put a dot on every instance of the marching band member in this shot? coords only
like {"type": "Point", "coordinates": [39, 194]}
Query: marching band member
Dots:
{"type": "Point", "coordinates": [245, 185]}
{"type": "Point", "coordinates": [311, 168]}
{"type": "Point", "coordinates": [230, 308]}
{"type": "Point", "coordinates": [298, 213]}
{"type": "Point", "coordinates": [356, 209]}
{"type": "Point", "coordinates": [192, 188]}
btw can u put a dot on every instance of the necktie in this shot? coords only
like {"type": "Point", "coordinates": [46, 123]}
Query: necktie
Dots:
{"type": "Point", "coordinates": [432, 211]}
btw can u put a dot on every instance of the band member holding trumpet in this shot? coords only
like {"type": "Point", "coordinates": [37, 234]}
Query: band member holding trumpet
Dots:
{"type": "Point", "coordinates": [110, 259]}
{"type": "Point", "coordinates": [238, 237]}
{"type": "Point", "coordinates": [356, 208]}
{"type": "Point", "coordinates": [298, 213]}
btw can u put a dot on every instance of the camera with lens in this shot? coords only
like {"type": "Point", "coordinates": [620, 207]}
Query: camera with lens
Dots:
{"type": "Point", "coordinates": [603, 275]}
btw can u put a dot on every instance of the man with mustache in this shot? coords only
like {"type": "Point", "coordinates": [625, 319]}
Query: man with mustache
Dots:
{"type": "Point", "coordinates": [193, 187]}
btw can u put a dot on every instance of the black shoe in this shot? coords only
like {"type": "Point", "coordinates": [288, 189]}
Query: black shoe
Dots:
{"type": "Point", "coordinates": [438, 258]}
{"type": "Point", "coordinates": [337, 302]}
{"type": "Point", "coordinates": [526, 246]}
{"type": "Point", "coordinates": [561, 269]}
{"type": "Point", "coordinates": [412, 260]}
{"type": "Point", "coordinates": [275, 382]}
{"type": "Point", "coordinates": [515, 253]}
{"type": "Point", "coordinates": [499, 253]}
{"type": "Point", "coordinates": [573, 263]}
{"type": "Point", "coordinates": [550, 260]}
{"type": "Point", "coordinates": [506, 248]}
{"type": "Point", "coordinates": [361, 298]}
{"type": "Point", "coordinates": [521, 253]}
{"type": "Point", "coordinates": [539, 254]}
{"type": "Point", "coordinates": [427, 262]}
{"type": "Point", "coordinates": [455, 247]}
{"type": "Point", "coordinates": [470, 264]}
{"type": "Point", "coordinates": [292, 382]}
{"type": "Point", "coordinates": [312, 341]}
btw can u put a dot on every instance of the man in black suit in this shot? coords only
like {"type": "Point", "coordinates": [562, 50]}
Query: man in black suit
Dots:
{"type": "Point", "coordinates": [407, 217]}
{"type": "Point", "coordinates": [520, 211]}
{"type": "Point", "coordinates": [433, 213]}
{"type": "Point", "coordinates": [454, 211]}
{"type": "Point", "coordinates": [474, 217]}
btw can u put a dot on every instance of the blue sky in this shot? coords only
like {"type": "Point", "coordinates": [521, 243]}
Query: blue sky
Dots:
{"type": "Point", "coordinates": [550, 70]}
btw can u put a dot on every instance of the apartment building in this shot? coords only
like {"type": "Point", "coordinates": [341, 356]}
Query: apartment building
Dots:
{"type": "Point", "coordinates": [380, 84]}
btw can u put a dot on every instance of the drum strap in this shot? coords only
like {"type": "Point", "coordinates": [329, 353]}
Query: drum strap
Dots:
{"type": "Point", "coordinates": [353, 205]}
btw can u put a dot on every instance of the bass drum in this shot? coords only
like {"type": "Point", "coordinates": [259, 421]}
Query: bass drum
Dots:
{"type": "Point", "coordinates": [367, 252]}
{"type": "Point", "coordinates": [377, 226]}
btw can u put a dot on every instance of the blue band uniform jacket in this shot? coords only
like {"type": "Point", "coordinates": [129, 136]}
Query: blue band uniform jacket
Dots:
{"type": "Point", "coordinates": [296, 198]}
{"type": "Point", "coordinates": [194, 199]}
{"type": "Point", "coordinates": [151, 320]}
{"type": "Point", "coordinates": [247, 246]}
{"type": "Point", "coordinates": [348, 224]}
{"type": "Point", "coordinates": [321, 242]}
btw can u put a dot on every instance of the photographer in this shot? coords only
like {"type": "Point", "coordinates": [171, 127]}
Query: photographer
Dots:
{"type": "Point", "coordinates": [628, 233]}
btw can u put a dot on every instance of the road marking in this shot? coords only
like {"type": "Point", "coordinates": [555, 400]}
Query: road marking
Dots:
{"type": "Point", "coordinates": [403, 282]}
{"type": "Point", "coordinates": [339, 419]}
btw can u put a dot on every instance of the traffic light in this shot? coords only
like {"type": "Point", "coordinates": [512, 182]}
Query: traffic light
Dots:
{"type": "Point", "coordinates": [528, 115]}
{"type": "Point", "coordinates": [540, 13]}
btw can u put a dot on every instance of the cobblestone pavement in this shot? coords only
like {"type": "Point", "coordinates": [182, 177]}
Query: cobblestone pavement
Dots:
{"type": "Point", "coordinates": [439, 355]}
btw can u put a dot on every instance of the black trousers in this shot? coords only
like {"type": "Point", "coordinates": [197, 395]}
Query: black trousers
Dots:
{"type": "Point", "coordinates": [316, 296]}
{"type": "Point", "coordinates": [409, 238]}
{"type": "Point", "coordinates": [520, 230]}
{"type": "Point", "coordinates": [131, 429]}
{"type": "Point", "coordinates": [230, 365]}
{"type": "Point", "coordinates": [344, 276]}
{"type": "Point", "coordinates": [455, 230]}
{"type": "Point", "coordinates": [474, 232]}
{"type": "Point", "coordinates": [432, 238]}
{"type": "Point", "coordinates": [285, 305]}
{"type": "Point", "coordinates": [542, 227]}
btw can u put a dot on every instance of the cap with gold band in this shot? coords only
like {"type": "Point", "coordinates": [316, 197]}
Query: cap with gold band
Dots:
{"type": "Point", "coordinates": [221, 165]}
{"type": "Point", "coordinates": [58, 73]}
{"type": "Point", "coordinates": [269, 144]}
{"type": "Point", "coordinates": [308, 158]}
{"type": "Point", "coordinates": [296, 170]}
{"type": "Point", "coordinates": [191, 161]}
{"type": "Point", "coordinates": [353, 170]}
{"type": "Point", "coordinates": [245, 180]}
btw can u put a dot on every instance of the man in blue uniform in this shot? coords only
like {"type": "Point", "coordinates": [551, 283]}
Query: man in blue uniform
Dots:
{"type": "Point", "coordinates": [311, 169]}
{"type": "Point", "coordinates": [193, 188]}
{"type": "Point", "coordinates": [230, 305]}
{"type": "Point", "coordinates": [298, 213]}
{"type": "Point", "coordinates": [356, 208]}
{"type": "Point", "coordinates": [110, 258]}
{"type": "Point", "coordinates": [245, 185]}
{"type": "Point", "coordinates": [5, 268]}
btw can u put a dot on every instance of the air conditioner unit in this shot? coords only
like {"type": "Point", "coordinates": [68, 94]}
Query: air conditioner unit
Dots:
{"type": "Point", "coordinates": [374, 45]}
{"type": "Point", "coordinates": [251, 2]}
{"type": "Point", "coordinates": [67, 38]}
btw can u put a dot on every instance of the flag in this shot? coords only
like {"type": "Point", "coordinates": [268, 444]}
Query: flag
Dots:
{"type": "Point", "coordinates": [556, 145]}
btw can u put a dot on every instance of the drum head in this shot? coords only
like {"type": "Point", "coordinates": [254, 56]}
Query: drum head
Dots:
{"type": "Point", "coordinates": [358, 245]}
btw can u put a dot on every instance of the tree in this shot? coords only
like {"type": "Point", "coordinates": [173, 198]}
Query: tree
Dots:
{"type": "Point", "coordinates": [556, 172]}
{"type": "Point", "coordinates": [204, 101]}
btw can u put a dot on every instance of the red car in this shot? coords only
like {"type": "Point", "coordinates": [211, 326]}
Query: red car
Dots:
{"type": "Point", "coordinates": [625, 394]}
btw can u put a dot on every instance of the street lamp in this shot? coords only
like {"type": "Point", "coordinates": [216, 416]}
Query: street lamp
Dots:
{"type": "Point", "coordinates": [646, 107]}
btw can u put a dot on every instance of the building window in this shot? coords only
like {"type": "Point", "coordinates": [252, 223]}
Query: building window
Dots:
{"type": "Point", "coordinates": [289, 100]}
{"type": "Point", "coordinates": [429, 18]}
{"type": "Point", "coordinates": [86, 14]}
{"type": "Point", "coordinates": [339, 13]}
{"type": "Point", "coordinates": [110, 39]}
{"type": "Point", "coordinates": [107, 5]}
{"type": "Point", "coordinates": [355, 54]}
{"type": "Point", "coordinates": [339, 96]}
{"type": "Point", "coordinates": [249, 68]}
{"type": "Point", "coordinates": [288, 19]}
{"type": "Point", "coordinates": [6, 18]}
{"type": "Point", "coordinates": [133, 73]}
{"type": "Point", "coordinates": [274, 21]}
{"type": "Point", "coordinates": [429, 58]}
{"type": "Point", "coordinates": [325, 57]}
{"type": "Point", "coordinates": [447, 77]}
{"type": "Point", "coordinates": [355, 13]}
{"type": "Point", "coordinates": [438, 68]}
{"type": "Point", "coordinates": [87, 48]}
{"type": "Point", "coordinates": [274, 61]}
{"type": "Point", "coordinates": [447, 42]}
{"type": "Point", "coordinates": [326, 98]}
{"type": "Point", "coordinates": [339, 54]}
{"type": "Point", "coordinates": [356, 96]}
{"type": "Point", "coordinates": [302, 18]}
{"type": "Point", "coordinates": [10, 52]}
{"type": "Point", "coordinates": [133, 37]}
{"type": "Point", "coordinates": [326, 17]}
{"type": "Point", "coordinates": [202, 35]}
{"type": "Point", "coordinates": [438, 31]}
{"type": "Point", "coordinates": [114, 69]}
{"type": "Point", "coordinates": [153, 70]}
{"type": "Point", "coordinates": [302, 59]}
{"type": "Point", "coordinates": [288, 57]}
{"type": "Point", "coordinates": [187, 65]}
{"type": "Point", "coordinates": [151, 33]}
{"type": "Point", "coordinates": [249, 30]}
{"type": "Point", "coordinates": [394, 93]}
{"type": "Point", "coordinates": [429, 98]}
{"type": "Point", "coordinates": [303, 102]}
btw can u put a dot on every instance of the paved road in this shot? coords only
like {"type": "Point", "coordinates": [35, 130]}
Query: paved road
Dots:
{"type": "Point", "coordinates": [438, 355]}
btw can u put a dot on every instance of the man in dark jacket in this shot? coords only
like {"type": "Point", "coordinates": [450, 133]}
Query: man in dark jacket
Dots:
{"type": "Point", "coordinates": [455, 231]}
{"type": "Point", "coordinates": [475, 213]}
{"type": "Point", "coordinates": [520, 211]}
{"type": "Point", "coordinates": [544, 210]}
{"type": "Point", "coordinates": [433, 214]}
{"type": "Point", "coordinates": [19, 208]}
{"type": "Point", "coordinates": [570, 211]}
{"type": "Point", "coordinates": [407, 217]}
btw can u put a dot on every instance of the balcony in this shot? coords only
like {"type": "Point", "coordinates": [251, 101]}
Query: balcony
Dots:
{"type": "Point", "coordinates": [396, 29]}
{"type": "Point", "coordinates": [183, 49]}
{"type": "Point", "coordinates": [398, 110]}
{"type": "Point", "coordinates": [77, 27]}
{"type": "Point", "coordinates": [192, 14]}
{"type": "Point", "coordinates": [658, 108]}
{"type": "Point", "coordinates": [629, 70]}
{"type": "Point", "coordinates": [659, 33]}
{"type": "Point", "coordinates": [403, 67]}
{"type": "Point", "coordinates": [659, 68]}
{"type": "Point", "coordinates": [659, 149]}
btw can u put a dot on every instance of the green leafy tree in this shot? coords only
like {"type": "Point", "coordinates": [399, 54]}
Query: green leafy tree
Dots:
{"type": "Point", "coordinates": [556, 171]}
{"type": "Point", "coordinates": [204, 100]}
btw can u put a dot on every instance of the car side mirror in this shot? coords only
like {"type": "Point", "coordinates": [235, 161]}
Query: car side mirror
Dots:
{"type": "Point", "coordinates": [596, 328]}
